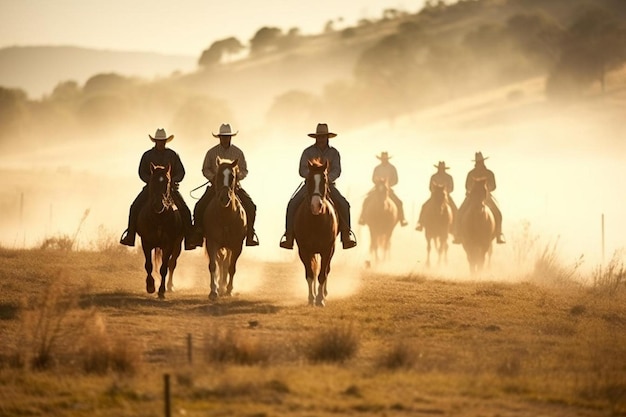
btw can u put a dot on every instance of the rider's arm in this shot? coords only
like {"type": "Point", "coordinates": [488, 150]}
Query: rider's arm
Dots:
{"type": "Point", "coordinates": [334, 161]}
{"type": "Point", "coordinates": [243, 165]}
{"type": "Point", "coordinates": [144, 167]}
{"type": "Point", "coordinates": [491, 181]}
{"type": "Point", "coordinates": [178, 170]}
{"type": "Point", "coordinates": [208, 166]}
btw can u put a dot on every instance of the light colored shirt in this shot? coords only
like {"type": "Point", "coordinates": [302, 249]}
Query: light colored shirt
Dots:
{"type": "Point", "coordinates": [209, 166]}
{"type": "Point", "coordinates": [329, 154]}
{"type": "Point", "coordinates": [386, 171]}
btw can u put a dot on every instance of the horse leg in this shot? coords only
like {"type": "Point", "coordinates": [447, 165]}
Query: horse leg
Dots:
{"type": "Point", "coordinates": [172, 266]}
{"type": "Point", "coordinates": [427, 252]}
{"type": "Point", "coordinates": [147, 253]}
{"type": "Point", "coordinates": [308, 261]}
{"type": "Point", "coordinates": [222, 266]}
{"type": "Point", "coordinates": [212, 251]}
{"type": "Point", "coordinates": [165, 260]}
{"type": "Point", "coordinates": [322, 279]}
{"type": "Point", "coordinates": [234, 256]}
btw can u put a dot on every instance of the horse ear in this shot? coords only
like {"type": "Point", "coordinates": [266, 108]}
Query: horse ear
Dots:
{"type": "Point", "coordinates": [218, 160]}
{"type": "Point", "coordinates": [152, 167]}
{"type": "Point", "coordinates": [235, 162]}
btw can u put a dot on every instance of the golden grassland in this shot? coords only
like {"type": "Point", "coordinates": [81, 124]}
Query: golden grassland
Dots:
{"type": "Point", "coordinates": [82, 338]}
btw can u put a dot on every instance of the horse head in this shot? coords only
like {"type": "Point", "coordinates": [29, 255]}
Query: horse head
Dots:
{"type": "Point", "coordinates": [381, 187]}
{"type": "Point", "coordinates": [438, 192]}
{"type": "Point", "coordinates": [226, 179]}
{"type": "Point", "coordinates": [159, 187]}
{"type": "Point", "coordinates": [317, 185]}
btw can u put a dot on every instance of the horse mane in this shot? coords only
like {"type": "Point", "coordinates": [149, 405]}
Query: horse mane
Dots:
{"type": "Point", "coordinates": [316, 162]}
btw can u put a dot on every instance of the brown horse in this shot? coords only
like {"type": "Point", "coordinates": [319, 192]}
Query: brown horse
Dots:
{"type": "Point", "coordinates": [225, 225]}
{"type": "Point", "coordinates": [381, 216]}
{"type": "Point", "coordinates": [477, 227]}
{"type": "Point", "coordinates": [438, 220]}
{"type": "Point", "coordinates": [315, 231]}
{"type": "Point", "coordinates": [160, 228]}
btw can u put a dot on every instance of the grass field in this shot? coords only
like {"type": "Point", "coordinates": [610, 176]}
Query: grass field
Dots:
{"type": "Point", "coordinates": [82, 338]}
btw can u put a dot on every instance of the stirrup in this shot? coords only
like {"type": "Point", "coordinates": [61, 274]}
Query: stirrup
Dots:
{"type": "Point", "coordinates": [419, 227]}
{"type": "Point", "coordinates": [285, 242]}
{"type": "Point", "coordinates": [252, 240]}
{"type": "Point", "coordinates": [348, 240]}
{"type": "Point", "coordinates": [127, 238]}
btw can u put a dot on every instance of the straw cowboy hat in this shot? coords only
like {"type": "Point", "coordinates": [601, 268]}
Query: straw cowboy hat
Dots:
{"type": "Point", "coordinates": [161, 135]}
{"type": "Point", "coordinates": [383, 156]}
{"type": "Point", "coordinates": [479, 157]}
{"type": "Point", "coordinates": [322, 130]}
{"type": "Point", "coordinates": [441, 165]}
{"type": "Point", "coordinates": [225, 130]}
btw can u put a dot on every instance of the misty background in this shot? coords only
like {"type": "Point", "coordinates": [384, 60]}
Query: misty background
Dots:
{"type": "Point", "coordinates": [537, 86]}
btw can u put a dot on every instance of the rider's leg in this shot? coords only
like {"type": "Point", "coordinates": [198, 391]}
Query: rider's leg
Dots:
{"type": "Point", "coordinates": [250, 208]}
{"type": "Point", "coordinates": [455, 212]}
{"type": "Point", "coordinates": [197, 236]}
{"type": "Point", "coordinates": [343, 210]}
{"type": "Point", "coordinates": [400, 206]}
{"type": "Point", "coordinates": [185, 215]}
{"type": "Point", "coordinates": [128, 237]}
{"type": "Point", "coordinates": [286, 240]}
{"type": "Point", "coordinates": [420, 220]}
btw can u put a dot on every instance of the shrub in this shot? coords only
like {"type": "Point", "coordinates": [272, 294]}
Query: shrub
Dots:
{"type": "Point", "coordinates": [334, 344]}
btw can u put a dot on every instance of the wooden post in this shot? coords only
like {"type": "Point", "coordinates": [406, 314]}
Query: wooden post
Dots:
{"type": "Point", "coordinates": [166, 395]}
{"type": "Point", "coordinates": [189, 349]}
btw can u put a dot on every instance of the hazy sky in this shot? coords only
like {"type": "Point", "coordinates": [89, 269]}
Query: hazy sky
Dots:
{"type": "Point", "coordinates": [172, 26]}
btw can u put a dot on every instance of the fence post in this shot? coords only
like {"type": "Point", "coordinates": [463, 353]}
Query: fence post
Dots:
{"type": "Point", "coordinates": [166, 395]}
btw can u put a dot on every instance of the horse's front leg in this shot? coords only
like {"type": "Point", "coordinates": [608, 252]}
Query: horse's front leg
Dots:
{"type": "Point", "coordinates": [309, 265]}
{"type": "Point", "coordinates": [164, 271]}
{"type": "Point", "coordinates": [428, 247]}
{"type": "Point", "coordinates": [147, 253]}
{"type": "Point", "coordinates": [232, 268]}
{"type": "Point", "coordinates": [172, 266]}
{"type": "Point", "coordinates": [322, 279]}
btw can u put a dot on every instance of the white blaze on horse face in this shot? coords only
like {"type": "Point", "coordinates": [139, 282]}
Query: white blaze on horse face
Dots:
{"type": "Point", "coordinates": [227, 173]}
{"type": "Point", "coordinates": [316, 200]}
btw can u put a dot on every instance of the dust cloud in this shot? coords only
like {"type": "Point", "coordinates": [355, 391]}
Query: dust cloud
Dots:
{"type": "Point", "coordinates": [558, 172]}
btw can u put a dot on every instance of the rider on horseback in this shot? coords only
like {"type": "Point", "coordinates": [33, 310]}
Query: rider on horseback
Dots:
{"type": "Point", "coordinates": [480, 171]}
{"type": "Point", "coordinates": [159, 155]}
{"type": "Point", "coordinates": [322, 150]}
{"type": "Point", "coordinates": [386, 171]}
{"type": "Point", "coordinates": [209, 167]}
{"type": "Point", "coordinates": [441, 177]}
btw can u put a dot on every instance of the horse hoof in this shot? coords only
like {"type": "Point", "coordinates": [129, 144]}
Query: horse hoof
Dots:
{"type": "Point", "coordinates": [150, 288]}
{"type": "Point", "coordinates": [320, 303]}
{"type": "Point", "coordinates": [161, 295]}
{"type": "Point", "coordinates": [213, 296]}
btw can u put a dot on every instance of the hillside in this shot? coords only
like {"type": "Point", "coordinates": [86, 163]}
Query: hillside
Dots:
{"type": "Point", "coordinates": [38, 69]}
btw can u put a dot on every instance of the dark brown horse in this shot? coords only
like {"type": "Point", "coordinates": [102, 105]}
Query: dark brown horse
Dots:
{"type": "Point", "coordinates": [438, 220]}
{"type": "Point", "coordinates": [381, 216]}
{"type": "Point", "coordinates": [477, 227]}
{"type": "Point", "coordinates": [160, 228]}
{"type": "Point", "coordinates": [225, 225]}
{"type": "Point", "coordinates": [315, 231]}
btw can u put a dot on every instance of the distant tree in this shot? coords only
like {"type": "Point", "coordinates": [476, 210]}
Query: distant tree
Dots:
{"type": "Point", "coordinates": [13, 113]}
{"type": "Point", "coordinates": [329, 27]}
{"type": "Point", "coordinates": [104, 83]}
{"type": "Point", "coordinates": [594, 45]}
{"type": "Point", "coordinates": [198, 115]}
{"type": "Point", "coordinates": [218, 49]}
{"type": "Point", "coordinates": [292, 109]}
{"type": "Point", "coordinates": [264, 40]}
{"type": "Point", "coordinates": [66, 91]}
{"type": "Point", "coordinates": [291, 40]}
{"type": "Point", "coordinates": [536, 36]}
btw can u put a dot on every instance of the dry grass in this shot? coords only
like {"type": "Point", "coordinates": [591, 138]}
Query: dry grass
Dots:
{"type": "Point", "coordinates": [409, 347]}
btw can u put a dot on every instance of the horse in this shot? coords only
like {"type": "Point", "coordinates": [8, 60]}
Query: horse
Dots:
{"type": "Point", "coordinates": [438, 219]}
{"type": "Point", "coordinates": [315, 230]}
{"type": "Point", "coordinates": [381, 216]}
{"type": "Point", "coordinates": [477, 227]}
{"type": "Point", "coordinates": [160, 228]}
{"type": "Point", "coordinates": [225, 226]}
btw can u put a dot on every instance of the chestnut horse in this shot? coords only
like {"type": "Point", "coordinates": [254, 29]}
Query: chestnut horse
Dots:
{"type": "Point", "coordinates": [381, 216]}
{"type": "Point", "coordinates": [225, 225]}
{"type": "Point", "coordinates": [315, 230]}
{"type": "Point", "coordinates": [160, 228]}
{"type": "Point", "coordinates": [477, 226]}
{"type": "Point", "coordinates": [438, 220]}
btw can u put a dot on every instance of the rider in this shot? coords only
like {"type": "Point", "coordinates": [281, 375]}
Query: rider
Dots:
{"type": "Point", "coordinates": [159, 155]}
{"type": "Point", "coordinates": [441, 177]}
{"type": "Point", "coordinates": [322, 150]}
{"type": "Point", "coordinates": [209, 168]}
{"type": "Point", "coordinates": [388, 172]}
{"type": "Point", "coordinates": [481, 171]}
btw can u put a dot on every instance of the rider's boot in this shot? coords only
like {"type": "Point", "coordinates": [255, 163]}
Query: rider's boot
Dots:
{"type": "Point", "coordinates": [128, 237]}
{"type": "Point", "coordinates": [403, 222]}
{"type": "Point", "coordinates": [500, 238]}
{"type": "Point", "coordinates": [252, 239]}
{"type": "Point", "coordinates": [195, 238]}
{"type": "Point", "coordinates": [348, 239]}
{"type": "Point", "coordinates": [286, 241]}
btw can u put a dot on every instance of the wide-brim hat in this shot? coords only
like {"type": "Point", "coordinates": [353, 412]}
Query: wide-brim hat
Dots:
{"type": "Point", "coordinates": [322, 130]}
{"type": "Point", "coordinates": [161, 135]}
{"type": "Point", "coordinates": [225, 130]}
{"type": "Point", "coordinates": [383, 156]}
{"type": "Point", "coordinates": [441, 165]}
{"type": "Point", "coordinates": [479, 157]}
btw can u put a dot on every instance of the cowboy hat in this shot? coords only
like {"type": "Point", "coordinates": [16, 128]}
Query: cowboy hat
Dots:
{"type": "Point", "coordinates": [383, 156]}
{"type": "Point", "coordinates": [161, 135]}
{"type": "Point", "coordinates": [441, 165]}
{"type": "Point", "coordinates": [322, 130]}
{"type": "Point", "coordinates": [225, 130]}
{"type": "Point", "coordinates": [479, 157]}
